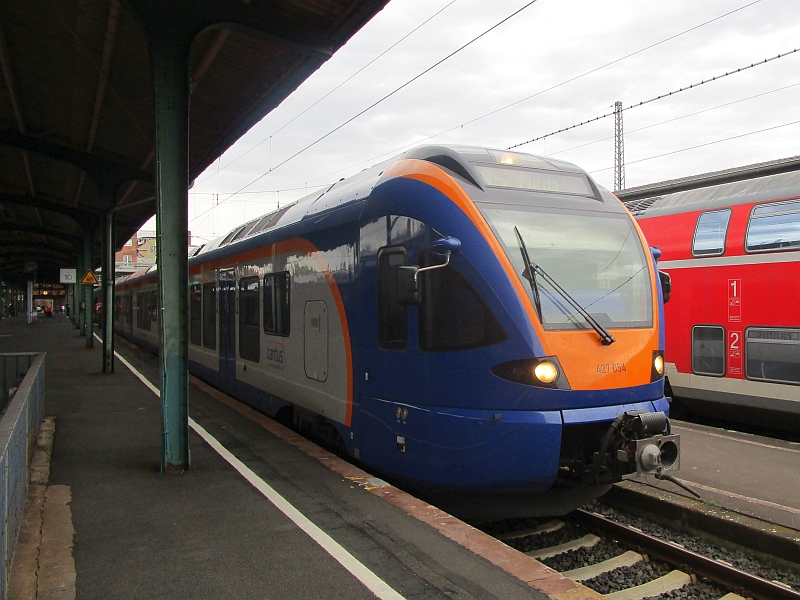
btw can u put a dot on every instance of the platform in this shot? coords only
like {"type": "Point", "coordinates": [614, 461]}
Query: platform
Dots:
{"type": "Point", "coordinates": [209, 533]}
{"type": "Point", "coordinates": [213, 533]}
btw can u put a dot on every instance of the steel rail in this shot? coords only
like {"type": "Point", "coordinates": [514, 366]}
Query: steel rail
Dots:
{"type": "Point", "coordinates": [692, 562]}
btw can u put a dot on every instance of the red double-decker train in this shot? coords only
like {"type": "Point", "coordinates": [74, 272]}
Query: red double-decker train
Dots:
{"type": "Point", "coordinates": [732, 251]}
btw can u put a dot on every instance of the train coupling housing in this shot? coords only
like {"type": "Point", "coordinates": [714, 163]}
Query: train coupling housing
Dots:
{"type": "Point", "coordinates": [645, 444]}
{"type": "Point", "coordinates": [637, 443]}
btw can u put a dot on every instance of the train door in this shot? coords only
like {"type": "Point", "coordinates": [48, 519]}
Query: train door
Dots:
{"type": "Point", "coordinates": [315, 352]}
{"type": "Point", "coordinates": [393, 372]}
{"type": "Point", "coordinates": [227, 330]}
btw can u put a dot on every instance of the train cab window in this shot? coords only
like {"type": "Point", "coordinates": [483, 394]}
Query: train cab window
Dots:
{"type": "Point", "coordinates": [195, 316]}
{"type": "Point", "coordinates": [276, 304]}
{"type": "Point", "coordinates": [709, 235]}
{"type": "Point", "coordinates": [772, 354]}
{"type": "Point", "coordinates": [774, 226]}
{"type": "Point", "coordinates": [392, 315]}
{"type": "Point", "coordinates": [452, 315]}
{"type": "Point", "coordinates": [249, 335]}
{"type": "Point", "coordinates": [210, 316]}
{"type": "Point", "coordinates": [708, 350]}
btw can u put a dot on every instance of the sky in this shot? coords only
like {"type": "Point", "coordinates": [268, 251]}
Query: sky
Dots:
{"type": "Point", "coordinates": [553, 64]}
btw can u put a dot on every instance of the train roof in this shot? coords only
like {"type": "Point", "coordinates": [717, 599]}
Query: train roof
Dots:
{"type": "Point", "coordinates": [760, 182]}
{"type": "Point", "coordinates": [456, 159]}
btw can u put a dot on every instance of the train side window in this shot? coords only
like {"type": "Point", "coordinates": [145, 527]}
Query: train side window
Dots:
{"type": "Point", "coordinates": [772, 354]}
{"type": "Point", "coordinates": [774, 226]}
{"type": "Point", "coordinates": [210, 316]}
{"type": "Point", "coordinates": [277, 303]}
{"type": "Point", "coordinates": [141, 310]}
{"type": "Point", "coordinates": [152, 310]}
{"type": "Point", "coordinates": [392, 315]}
{"type": "Point", "coordinates": [249, 335]}
{"type": "Point", "coordinates": [195, 316]}
{"type": "Point", "coordinates": [709, 235]}
{"type": "Point", "coordinates": [452, 315]}
{"type": "Point", "coordinates": [708, 350]}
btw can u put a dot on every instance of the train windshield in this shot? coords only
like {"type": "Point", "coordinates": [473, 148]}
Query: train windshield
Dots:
{"type": "Point", "coordinates": [596, 257]}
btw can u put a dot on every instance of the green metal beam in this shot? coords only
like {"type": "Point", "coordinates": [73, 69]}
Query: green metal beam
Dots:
{"type": "Point", "coordinates": [75, 240]}
{"type": "Point", "coordinates": [170, 64]}
{"type": "Point", "coordinates": [88, 249]}
{"type": "Point", "coordinates": [106, 173]}
{"type": "Point", "coordinates": [108, 293]}
{"type": "Point", "coordinates": [79, 215]}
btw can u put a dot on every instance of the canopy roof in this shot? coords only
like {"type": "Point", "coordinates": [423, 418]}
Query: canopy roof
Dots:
{"type": "Point", "coordinates": [77, 109]}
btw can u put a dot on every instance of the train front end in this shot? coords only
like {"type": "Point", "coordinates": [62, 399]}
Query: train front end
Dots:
{"type": "Point", "coordinates": [574, 399]}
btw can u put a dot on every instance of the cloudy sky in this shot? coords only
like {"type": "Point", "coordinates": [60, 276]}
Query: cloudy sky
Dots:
{"type": "Point", "coordinates": [554, 64]}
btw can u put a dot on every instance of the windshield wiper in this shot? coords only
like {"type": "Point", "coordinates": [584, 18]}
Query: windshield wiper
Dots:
{"type": "Point", "coordinates": [531, 269]}
{"type": "Point", "coordinates": [532, 279]}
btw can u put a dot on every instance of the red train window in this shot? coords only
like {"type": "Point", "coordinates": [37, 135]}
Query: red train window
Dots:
{"type": "Point", "coordinates": [708, 350]}
{"type": "Point", "coordinates": [709, 235]}
{"type": "Point", "coordinates": [774, 226]}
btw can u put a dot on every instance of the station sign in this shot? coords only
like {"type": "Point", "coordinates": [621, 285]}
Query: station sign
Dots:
{"type": "Point", "coordinates": [67, 276]}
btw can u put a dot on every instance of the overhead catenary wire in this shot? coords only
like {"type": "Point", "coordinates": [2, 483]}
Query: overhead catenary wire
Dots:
{"type": "Point", "coordinates": [727, 139]}
{"type": "Point", "coordinates": [686, 116]}
{"type": "Point", "coordinates": [594, 70]}
{"type": "Point", "coordinates": [385, 97]}
{"type": "Point", "coordinates": [300, 114]}
{"type": "Point", "coordinates": [659, 97]}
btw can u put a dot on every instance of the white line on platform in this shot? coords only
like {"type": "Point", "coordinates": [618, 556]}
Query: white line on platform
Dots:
{"type": "Point", "coordinates": [766, 503]}
{"type": "Point", "coordinates": [735, 439]}
{"type": "Point", "coordinates": [374, 583]}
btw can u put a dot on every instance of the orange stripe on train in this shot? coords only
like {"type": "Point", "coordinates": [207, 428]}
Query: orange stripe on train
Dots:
{"type": "Point", "coordinates": [587, 364]}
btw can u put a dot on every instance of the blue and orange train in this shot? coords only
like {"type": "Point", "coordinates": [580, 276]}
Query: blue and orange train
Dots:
{"type": "Point", "coordinates": [484, 324]}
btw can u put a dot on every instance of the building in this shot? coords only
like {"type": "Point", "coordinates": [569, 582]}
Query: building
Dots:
{"type": "Point", "coordinates": [139, 252]}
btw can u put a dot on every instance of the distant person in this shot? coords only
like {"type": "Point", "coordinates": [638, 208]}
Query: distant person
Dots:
{"type": "Point", "coordinates": [48, 312]}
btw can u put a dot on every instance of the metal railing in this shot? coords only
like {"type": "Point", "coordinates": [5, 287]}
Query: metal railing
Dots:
{"type": "Point", "coordinates": [19, 429]}
{"type": "Point", "coordinates": [15, 366]}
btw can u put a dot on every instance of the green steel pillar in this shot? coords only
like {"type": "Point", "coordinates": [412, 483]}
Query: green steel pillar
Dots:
{"type": "Point", "coordinates": [170, 65]}
{"type": "Point", "coordinates": [108, 292]}
{"type": "Point", "coordinates": [88, 247]}
{"type": "Point", "coordinates": [72, 314]}
{"type": "Point", "coordinates": [79, 314]}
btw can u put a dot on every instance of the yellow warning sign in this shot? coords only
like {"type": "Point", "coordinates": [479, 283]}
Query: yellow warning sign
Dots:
{"type": "Point", "coordinates": [89, 278]}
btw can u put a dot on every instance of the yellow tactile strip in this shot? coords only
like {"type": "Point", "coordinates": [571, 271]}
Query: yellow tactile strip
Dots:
{"type": "Point", "coordinates": [525, 568]}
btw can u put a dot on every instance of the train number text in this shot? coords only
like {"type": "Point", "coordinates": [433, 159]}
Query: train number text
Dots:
{"type": "Point", "coordinates": [611, 368]}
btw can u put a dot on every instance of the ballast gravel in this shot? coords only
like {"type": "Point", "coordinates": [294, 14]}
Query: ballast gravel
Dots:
{"type": "Point", "coordinates": [569, 532]}
{"type": "Point", "coordinates": [737, 558]}
{"type": "Point", "coordinates": [627, 577]}
{"type": "Point", "coordinates": [574, 559]}
{"type": "Point", "coordinates": [694, 591]}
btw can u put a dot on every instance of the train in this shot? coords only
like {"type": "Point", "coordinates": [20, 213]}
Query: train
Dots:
{"type": "Point", "coordinates": [732, 325]}
{"type": "Point", "coordinates": [485, 326]}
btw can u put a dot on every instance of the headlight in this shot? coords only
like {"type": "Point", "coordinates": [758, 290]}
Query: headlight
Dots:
{"type": "Point", "coordinates": [541, 372]}
{"type": "Point", "coordinates": [657, 370]}
{"type": "Point", "coordinates": [545, 371]}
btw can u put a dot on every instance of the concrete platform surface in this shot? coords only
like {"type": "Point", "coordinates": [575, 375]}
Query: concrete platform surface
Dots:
{"type": "Point", "coordinates": [751, 475]}
{"type": "Point", "coordinates": [209, 533]}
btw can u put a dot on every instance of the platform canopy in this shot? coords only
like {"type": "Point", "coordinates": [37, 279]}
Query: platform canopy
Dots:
{"type": "Point", "coordinates": [77, 112]}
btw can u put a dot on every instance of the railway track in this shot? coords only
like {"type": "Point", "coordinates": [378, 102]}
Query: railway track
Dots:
{"type": "Point", "coordinates": [624, 563]}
